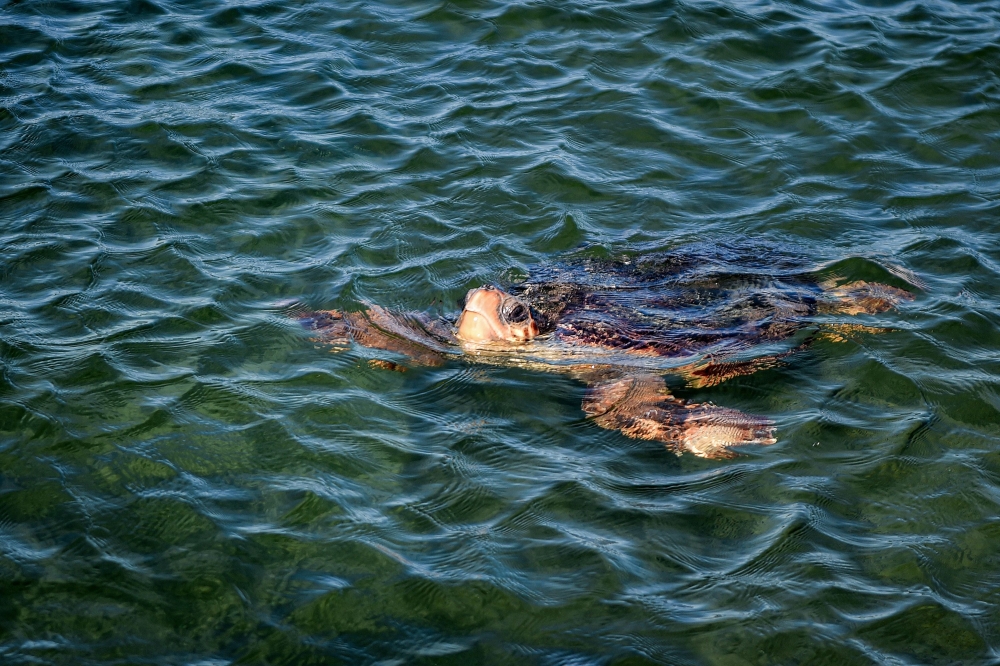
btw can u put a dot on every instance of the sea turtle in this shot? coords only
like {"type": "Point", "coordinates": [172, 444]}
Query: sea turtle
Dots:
{"type": "Point", "coordinates": [705, 313]}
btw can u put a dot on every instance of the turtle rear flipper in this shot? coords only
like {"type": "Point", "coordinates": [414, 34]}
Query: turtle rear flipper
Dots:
{"type": "Point", "coordinates": [840, 332]}
{"type": "Point", "coordinates": [860, 297]}
{"type": "Point", "coordinates": [713, 371]}
{"type": "Point", "coordinates": [709, 373]}
{"type": "Point", "coordinates": [640, 407]}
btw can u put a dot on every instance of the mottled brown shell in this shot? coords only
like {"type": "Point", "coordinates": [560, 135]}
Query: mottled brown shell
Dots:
{"type": "Point", "coordinates": [697, 298]}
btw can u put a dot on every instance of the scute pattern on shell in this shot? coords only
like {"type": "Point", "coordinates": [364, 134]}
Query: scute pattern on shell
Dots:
{"type": "Point", "coordinates": [675, 303]}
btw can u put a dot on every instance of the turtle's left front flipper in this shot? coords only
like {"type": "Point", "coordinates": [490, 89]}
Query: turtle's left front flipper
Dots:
{"type": "Point", "coordinates": [641, 407]}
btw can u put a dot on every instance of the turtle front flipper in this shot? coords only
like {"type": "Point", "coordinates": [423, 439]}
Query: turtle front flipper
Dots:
{"type": "Point", "coordinates": [411, 335]}
{"type": "Point", "coordinates": [641, 407]}
{"type": "Point", "coordinates": [330, 327]}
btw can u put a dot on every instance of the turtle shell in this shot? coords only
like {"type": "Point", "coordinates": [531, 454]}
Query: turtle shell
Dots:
{"type": "Point", "coordinates": [674, 303]}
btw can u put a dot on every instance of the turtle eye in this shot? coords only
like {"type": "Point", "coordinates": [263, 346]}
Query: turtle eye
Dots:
{"type": "Point", "coordinates": [514, 312]}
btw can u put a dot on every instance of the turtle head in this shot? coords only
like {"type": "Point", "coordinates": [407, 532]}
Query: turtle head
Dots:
{"type": "Point", "coordinates": [491, 315]}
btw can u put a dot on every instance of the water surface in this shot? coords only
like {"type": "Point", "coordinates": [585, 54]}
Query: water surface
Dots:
{"type": "Point", "coordinates": [185, 478]}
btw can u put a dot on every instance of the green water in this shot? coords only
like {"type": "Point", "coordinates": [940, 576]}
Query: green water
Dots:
{"type": "Point", "coordinates": [186, 478]}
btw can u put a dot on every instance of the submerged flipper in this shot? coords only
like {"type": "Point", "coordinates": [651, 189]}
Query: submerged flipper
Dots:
{"type": "Point", "coordinates": [860, 297]}
{"type": "Point", "coordinates": [710, 373]}
{"type": "Point", "coordinates": [852, 298]}
{"type": "Point", "coordinates": [415, 336]}
{"type": "Point", "coordinates": [640, 407]}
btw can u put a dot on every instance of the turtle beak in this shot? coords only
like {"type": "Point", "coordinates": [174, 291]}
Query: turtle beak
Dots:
{"type": "Point", "coordinates": [529, 331]}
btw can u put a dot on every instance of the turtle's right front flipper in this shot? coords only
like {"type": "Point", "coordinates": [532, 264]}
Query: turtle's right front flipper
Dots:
{"type": "Point", "coordinates": [640, 407]}
{"type": "Point", "coordinates": [379, 328]}
{"type": "Point", "coordinates": [331, 327]}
